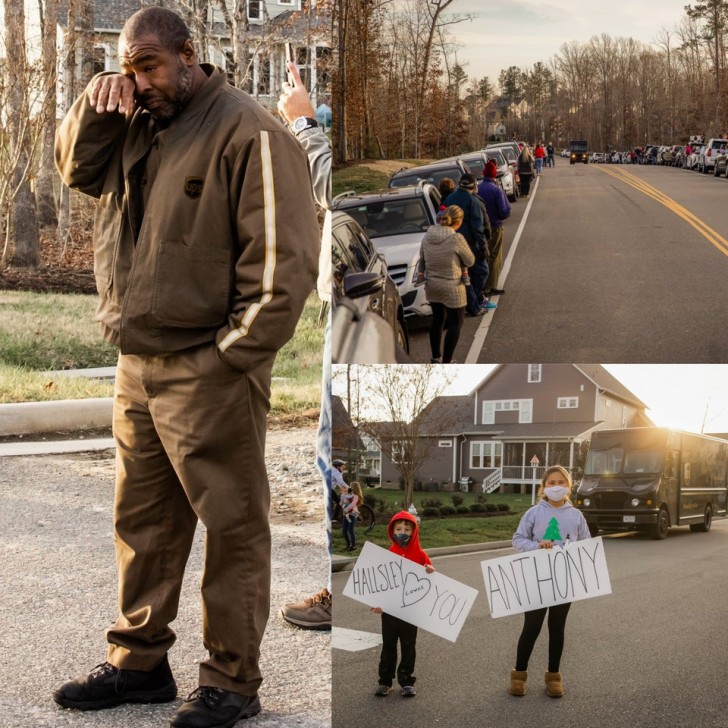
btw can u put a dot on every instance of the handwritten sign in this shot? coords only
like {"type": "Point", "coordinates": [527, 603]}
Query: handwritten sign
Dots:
{"type": "Point", "coordinates": [405, 590]}
{"type": "Point", "coordinates": [545, 577]}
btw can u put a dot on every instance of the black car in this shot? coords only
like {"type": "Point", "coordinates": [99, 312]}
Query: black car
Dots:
{"type": "Point", "coordinates": [368, 324]}
{"type": "Point", "coordinates": [433, 173]}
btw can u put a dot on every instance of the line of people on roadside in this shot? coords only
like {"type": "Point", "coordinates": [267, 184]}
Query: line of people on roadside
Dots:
{"type": "Point", "coordinates": [462, 255]}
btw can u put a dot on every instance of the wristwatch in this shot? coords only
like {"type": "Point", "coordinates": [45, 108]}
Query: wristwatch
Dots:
{"type": "Point", "coordinates": [302, 123]}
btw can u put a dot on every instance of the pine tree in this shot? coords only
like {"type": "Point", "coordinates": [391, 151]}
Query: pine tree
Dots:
{"type": "Point", "coordinates": [552, 532]}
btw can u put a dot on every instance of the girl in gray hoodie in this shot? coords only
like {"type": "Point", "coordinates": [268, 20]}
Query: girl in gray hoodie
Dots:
{"type": "Point", "coordinates": [553, 520]}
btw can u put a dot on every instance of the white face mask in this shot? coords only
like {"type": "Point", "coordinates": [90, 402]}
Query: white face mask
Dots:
{"type": "Point", "coordinates": [556, 492]}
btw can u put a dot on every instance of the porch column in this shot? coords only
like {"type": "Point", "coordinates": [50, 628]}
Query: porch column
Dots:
{"type": "Point", "coordinates": [312, 76]}
{"type": "Point", "coordinates": [571, 456]}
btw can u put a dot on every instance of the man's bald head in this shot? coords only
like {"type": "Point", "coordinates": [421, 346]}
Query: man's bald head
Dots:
{"type": "Point", "coordinates": [165, 24]}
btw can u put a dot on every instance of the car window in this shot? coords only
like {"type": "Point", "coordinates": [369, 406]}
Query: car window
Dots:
{"type": "Point", "coordinates": [432, 176]}
{"type": "Point", "coordinates": [348, 255]}
{"type": "Point", "coordinates": [392, 217]}
{"type": "Point", "coordinates": [475, 165]}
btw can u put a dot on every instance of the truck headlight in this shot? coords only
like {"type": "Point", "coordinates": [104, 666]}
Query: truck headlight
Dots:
{"type": "Point", "coordinates": [635, 502]}
{"type": "Point", "coordinates": [587, 502]}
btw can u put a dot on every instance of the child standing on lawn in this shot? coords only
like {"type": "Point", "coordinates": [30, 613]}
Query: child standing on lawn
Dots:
{"type": "Point", "coordinates": [403, 532]}
{"type": "Point", "coordinates": [552, 521]}
{"type": "Point", "coordinates": [351, 497]}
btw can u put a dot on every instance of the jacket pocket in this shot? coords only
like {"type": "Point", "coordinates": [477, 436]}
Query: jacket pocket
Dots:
{"type": "Point", "coordinates": [191, 285]}
{"type": "Point", "coordinates": [107, 231]}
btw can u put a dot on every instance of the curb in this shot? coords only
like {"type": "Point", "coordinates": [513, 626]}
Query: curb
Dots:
{"type": "Point", "coordinates": [346, 563]}
{"type": "Point", "coordinates": [32, 418]}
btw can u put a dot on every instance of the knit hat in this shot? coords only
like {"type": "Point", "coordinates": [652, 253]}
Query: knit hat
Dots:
{"type": "Point", "coordinates": [467, 182]}
{"type": "Point", "coordinates": [490, 169]}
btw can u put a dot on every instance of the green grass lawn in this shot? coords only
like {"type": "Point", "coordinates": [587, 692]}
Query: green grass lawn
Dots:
{"type": "Point", "coordinates": [449, 531]}
{"type": "Point", "coordinates": [369, 175]}
{"type": "Point", "coordinates": [42, 332]}
{"type": "Point", "coordinates": [436, 532]}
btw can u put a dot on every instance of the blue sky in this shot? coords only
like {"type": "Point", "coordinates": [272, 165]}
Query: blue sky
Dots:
{"type": "Point", "coordinates": [517, 33]}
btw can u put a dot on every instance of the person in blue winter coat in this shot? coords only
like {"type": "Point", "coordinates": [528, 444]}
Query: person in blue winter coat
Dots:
{"type": "Point", "coordinates": [553, 521]}
{"type": "Point", "coordinates": [499, 209]}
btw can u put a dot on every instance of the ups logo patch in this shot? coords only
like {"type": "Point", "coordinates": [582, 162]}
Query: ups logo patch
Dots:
{"type": "Point", "coordinates": [193, 187]}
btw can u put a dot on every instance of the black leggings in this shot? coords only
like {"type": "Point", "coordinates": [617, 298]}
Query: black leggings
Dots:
{"type": "Point", "coordinates": [532, 623]}
{"type": "Point", "coordinates": [452, 320]}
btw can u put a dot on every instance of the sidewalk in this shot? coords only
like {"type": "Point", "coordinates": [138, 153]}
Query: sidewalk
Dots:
{"type": "Point", "coordinates": [59, 586]}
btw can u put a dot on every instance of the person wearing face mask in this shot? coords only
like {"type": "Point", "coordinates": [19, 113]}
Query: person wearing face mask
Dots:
{"type": "Point", "coordinates": [404, 534]}
{"type": "Point", "coordinates": [553, 521]}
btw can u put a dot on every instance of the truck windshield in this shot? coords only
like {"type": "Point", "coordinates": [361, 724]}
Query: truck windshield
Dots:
{"type": "Point", "coordinates": [614, 461]}
{"type": "Point", "coordinates": [604, 462]}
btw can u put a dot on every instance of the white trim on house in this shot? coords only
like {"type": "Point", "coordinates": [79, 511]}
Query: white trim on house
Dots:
{"type": "Point", "coordinates": [534, 375]}
{"type": "Point", "coordinates": [524, 407]}
{"type": "Point", "coordinates": [567, 403]}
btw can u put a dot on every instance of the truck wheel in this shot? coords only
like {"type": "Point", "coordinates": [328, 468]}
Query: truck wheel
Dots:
{"type": "Point", "coordinates": [661, 527]}
{"type": "Point", "coordinates": [703, 527]}
{"type": "Point", "coordinates": [593, 529]}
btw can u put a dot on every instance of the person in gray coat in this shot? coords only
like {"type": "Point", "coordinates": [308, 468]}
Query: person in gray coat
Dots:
{"type": "Point", "coordinates": [443, 255]}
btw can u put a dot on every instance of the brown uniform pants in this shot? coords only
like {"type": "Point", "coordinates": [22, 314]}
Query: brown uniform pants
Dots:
{"type": "Point", "coordinates": [495, 258]}
{"type": "Point", "coordinates": [190, 436]}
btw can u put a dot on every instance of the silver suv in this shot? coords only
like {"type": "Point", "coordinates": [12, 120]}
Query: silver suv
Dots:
{"type": "Point", "coordinates": [706, 158]}
{"type": "Point", "coordinates": [396, 220]}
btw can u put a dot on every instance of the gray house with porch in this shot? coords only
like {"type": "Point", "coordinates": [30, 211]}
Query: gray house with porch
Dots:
{"type": "Point", "coordinates": [516, 422]}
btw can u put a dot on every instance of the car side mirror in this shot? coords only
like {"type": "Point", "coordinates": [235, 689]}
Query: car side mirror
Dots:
{"type": "Point", "coordinates": [358, 285]}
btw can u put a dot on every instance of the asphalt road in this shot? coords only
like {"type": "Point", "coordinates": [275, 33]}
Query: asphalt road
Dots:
{"type": "Point", "coordinates": [615, 263]}
{"type": "Point", "coordinates": [58, 591]}
{"type": "Point", "coordinates": [650, 655]}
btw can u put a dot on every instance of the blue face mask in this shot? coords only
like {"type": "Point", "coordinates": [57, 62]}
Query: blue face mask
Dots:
{"type": "Point", "coordinates": [402, 539]}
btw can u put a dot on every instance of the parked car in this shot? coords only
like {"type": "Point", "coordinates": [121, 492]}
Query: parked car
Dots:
{"type": "Point", "coordinates": [396, 220]}
{"type": "Point", "coordinates": [432, 173]}
{"type": "Point", "coordinates": [507, 173]}
{"type": "Point", "coordinates": [363, 292]}
{"type": "Point", "coordinates": [720, 167]}
{"type": "Point", "coordinates": [706, 158]}
{"type": "Point", "coordinates": [475, 161]}
{"type": "Point", "coordinates": [691, 162]}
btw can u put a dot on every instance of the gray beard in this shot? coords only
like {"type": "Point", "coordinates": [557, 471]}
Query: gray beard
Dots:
{"type": "Point", "coordinates": [183, 93]}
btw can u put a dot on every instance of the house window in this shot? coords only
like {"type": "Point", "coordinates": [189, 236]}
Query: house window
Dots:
{"type": "Point", "coordinates": [399, 451]}
{"type": "Point", "coordinates": [287, 2]}
{"type": "Point", "coordinates": [567, 402]}
{"type": "Point", "coordinates": [255, 11]}
{"type": "Point", "coordinates": [522, 406]}
{"type": "Point", "coordinates": [534, 373]}
{"type": "Point", "coordinates": [444, 443]}
{"type": "Point", "coordinates": [486, 454]}
{"type": "Point", "coordinates": [101, 58]}
{"type": "Point", "coordinates": [607, 402]}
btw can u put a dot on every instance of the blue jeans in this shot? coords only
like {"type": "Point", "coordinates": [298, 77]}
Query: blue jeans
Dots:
{"type": "Point", "coordinates": [539, 165]}
{"type": "Point", "coordinates": [478, 276]}
{"type": "Point", "coordinates": [348, 524]}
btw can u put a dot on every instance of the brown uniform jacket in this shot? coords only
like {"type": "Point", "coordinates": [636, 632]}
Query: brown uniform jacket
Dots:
{"type": "Point", "coordinates": [227, 248]}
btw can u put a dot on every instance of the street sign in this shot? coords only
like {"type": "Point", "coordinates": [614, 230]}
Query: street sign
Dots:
{"type": "Point", "coordinates": [535, 461]}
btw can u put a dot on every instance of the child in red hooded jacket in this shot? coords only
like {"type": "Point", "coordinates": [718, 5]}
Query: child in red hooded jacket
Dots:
{"type": "Point", "coordinates": [404, 535]}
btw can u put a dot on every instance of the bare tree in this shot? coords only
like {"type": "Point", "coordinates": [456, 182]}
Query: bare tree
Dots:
{"type": "Point", "coordinates": [44, 192]}
{"type": "Point", "coordinates": [402, 394]}
{"type": "Point", "coordinates": [22, 240]}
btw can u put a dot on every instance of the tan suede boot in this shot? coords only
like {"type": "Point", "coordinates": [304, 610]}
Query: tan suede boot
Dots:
{"type": "Point", "coordinates": [518, 682]}
{"type": "Point", "coordinates": [554, 686]}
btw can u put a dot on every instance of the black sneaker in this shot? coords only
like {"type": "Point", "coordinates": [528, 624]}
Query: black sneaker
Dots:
{"type": "Point", "coordinates": [209, 707]}
{"type": "Point", "coordinates": [107, 686]}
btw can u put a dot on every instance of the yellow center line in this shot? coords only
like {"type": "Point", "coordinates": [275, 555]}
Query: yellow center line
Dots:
{"type": "Point", "coordinates": [713, 237]}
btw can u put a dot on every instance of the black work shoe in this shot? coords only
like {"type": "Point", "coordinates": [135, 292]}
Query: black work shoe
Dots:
{"type": "Point", "coordinates": [107, 686]}
{"type": "Point", "coordinates": [209, 707]}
